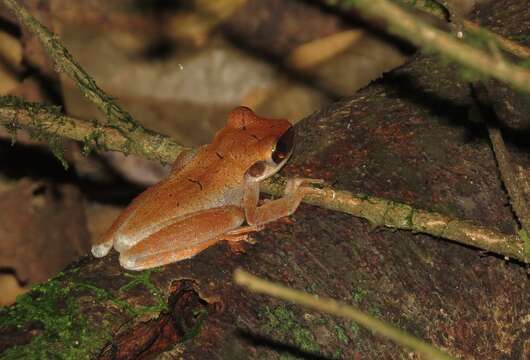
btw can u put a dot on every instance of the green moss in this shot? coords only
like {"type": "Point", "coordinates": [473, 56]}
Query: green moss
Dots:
{"type": "Point", "coordinates": [143, 278]}
{"type": "Point", "coordinates": [65, 334]}
{"type": "Point", "coordinates": [430, 6]}
{"type": "Point", "coordinates": [338, 354]}
{"type": "Point", "coordinates": [471, 75]}
{"type": "Point", "coordinates": [57, 148]}
{"type": "Point", "coordinates": [480, 39]}
{"type": "Point", "coordinates": [358, 295]}
{"type": "Point", "coordinates": [93, 140]}
{"type": "Point", "coordinates": [522, 37]}
{"type": "Point", "coordinates": [355, 328]}
{"type": "Point", "coordinates": [104, 295]}
{"type": "Point", "coordinates": [409, 219]}
{"type": "Point", "coordinates": [200, 316]}
{"type": "Point", "coordinates": [304, 339]}
{"type": "Point", "coordinates": [280, 319]}
{"type": "Point", "coordinates": [523, 235]}
{"type": "Point", "coordinates": [341, 334]}
{"type": "Point", "coordinates": [375, 312]}
{"type": "Point", "coordinates": [282, 324]}
{"type": "Point", "coordinates": [37, 131]}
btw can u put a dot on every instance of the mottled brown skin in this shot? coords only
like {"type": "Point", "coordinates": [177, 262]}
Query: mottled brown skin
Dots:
{"type": "Point", "coordinates": [208, 196]}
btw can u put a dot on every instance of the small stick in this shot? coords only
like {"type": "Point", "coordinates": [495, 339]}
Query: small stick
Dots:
{"type": "Point", "coordinates": [331, 306]}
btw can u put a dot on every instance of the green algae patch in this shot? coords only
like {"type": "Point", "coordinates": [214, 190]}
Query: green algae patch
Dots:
{"type": "Point", "coordinates": [63, 332]}
{"type": "Point", "coordinates": [68, 319]}
{"type": "Point", "coordinates": [143, 278]}
{"type": "Point", "coordinates": [341, 334]}
{"type": "Point", "coordinates": [283, 325]}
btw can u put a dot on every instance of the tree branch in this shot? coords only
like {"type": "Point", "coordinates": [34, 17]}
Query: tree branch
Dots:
{"type": "Point", "coordinates": [45, 120]}
{"type": "Point", "coordinates": [64, 62]}
{"type": "Point", "coordinates": [514, 182]}
{"type": "Point", "coordinates": [509, 177]}
{"type": "Point", "coordinates": [509, 45]}
{"type": "Point", "coordinates": [421, 34]}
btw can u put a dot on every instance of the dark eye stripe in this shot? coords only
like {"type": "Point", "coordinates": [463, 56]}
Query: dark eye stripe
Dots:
{"type": "Point", "coordinates": [283, 146]}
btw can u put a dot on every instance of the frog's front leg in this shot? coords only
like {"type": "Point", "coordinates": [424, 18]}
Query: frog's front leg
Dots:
{"type": "Point", "coordinates": [275, 209]}
{"type": "Point", "coordinates": [184, 238]}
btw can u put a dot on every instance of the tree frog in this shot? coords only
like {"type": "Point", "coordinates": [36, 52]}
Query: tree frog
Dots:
{"type": "Point", "coordinates": [209, 195]}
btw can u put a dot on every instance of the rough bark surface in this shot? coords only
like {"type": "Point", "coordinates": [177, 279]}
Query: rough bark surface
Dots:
{"type": "Point", "coordinates": [407, 138]}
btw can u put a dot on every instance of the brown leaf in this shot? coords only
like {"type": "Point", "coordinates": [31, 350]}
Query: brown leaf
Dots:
{"type": "Point", "coordinates": [42, 228]}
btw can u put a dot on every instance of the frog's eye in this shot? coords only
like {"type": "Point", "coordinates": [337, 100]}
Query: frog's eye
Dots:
{"type": "Point", "coordinates": [284, 146]}
{"type": "Point", "coordinates": [257, 169]}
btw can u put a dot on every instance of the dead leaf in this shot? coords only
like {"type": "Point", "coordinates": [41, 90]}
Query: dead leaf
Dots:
{"type": "Point", "coordinates": [42, 227]}
{"type": "Point", "coordinates": [318, 51]}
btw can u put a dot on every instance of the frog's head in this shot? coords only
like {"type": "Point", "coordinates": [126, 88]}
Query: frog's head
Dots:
{"type": "Point", "coordinates": [260, 145]}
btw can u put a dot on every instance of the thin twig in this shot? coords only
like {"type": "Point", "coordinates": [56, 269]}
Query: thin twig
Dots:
{"type": "Point", "coordinates": [418, 32]}
{"type": "Point", "coordinates": [334, 307]}
{"type": "Point", "coordinates": [514, 183]}
{"type": "Point", "coordinates": [510, 178]}
{"type": "Point", "coordinates": [511, 46]}
{"type": "Point", "coordinates": [388, 213]}
{"type": "Point", "coordinates": [380, 212]}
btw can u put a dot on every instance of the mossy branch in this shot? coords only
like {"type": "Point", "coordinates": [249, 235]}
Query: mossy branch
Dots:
{"type": "Point", "coordinates": [391, 214]}
{"type": "Point", "coordinates": [427, 6]}
{"type": "Point", "coordinates": [47, 120]}
{"type": "Point", "coordinates": [65, 63]}
{"type": "Point", "coordinates": [380, 212]}
{"type": "Point", "coordinates": [401, 23]}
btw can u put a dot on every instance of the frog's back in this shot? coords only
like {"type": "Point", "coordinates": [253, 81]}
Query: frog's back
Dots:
{"type": "Point", "coordinates": [204, 183]}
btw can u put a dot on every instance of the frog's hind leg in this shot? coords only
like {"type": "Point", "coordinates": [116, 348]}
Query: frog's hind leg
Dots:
{"type": "Point", "coordinates": [162, 258]}
{"type": "Point", "coordinates": [183, 239]}
{"type": "Point", "coordinates": [167, 257]}
{"type": "Point", "coordinates": [106, 241]}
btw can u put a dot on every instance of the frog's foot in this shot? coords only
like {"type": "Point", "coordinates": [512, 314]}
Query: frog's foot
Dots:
{"type": "Point", "coordinates": [296, 185]}
{"type": "Point", "coordinates": [242, 234]}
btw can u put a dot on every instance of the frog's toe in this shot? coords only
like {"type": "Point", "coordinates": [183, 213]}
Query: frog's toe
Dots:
{"type": "Point", "coordinates": [128, 262]}
{"type": "Point", "coordinates": [102, 249]}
